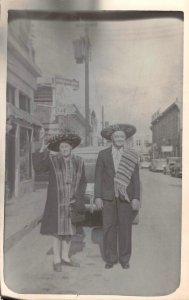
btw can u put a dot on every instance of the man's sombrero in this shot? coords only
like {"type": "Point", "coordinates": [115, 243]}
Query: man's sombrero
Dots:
{"type": "Point", "coordinates": [127, 128]}
{"type": "Point", "coordinates": [66, 137]}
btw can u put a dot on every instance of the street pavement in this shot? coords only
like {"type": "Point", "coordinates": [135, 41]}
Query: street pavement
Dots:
{"type": "Point", "coordinates": [154, 266]}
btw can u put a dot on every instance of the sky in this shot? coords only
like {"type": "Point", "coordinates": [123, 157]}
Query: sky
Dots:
{"type": "Point", "coordinates": [135, 67]}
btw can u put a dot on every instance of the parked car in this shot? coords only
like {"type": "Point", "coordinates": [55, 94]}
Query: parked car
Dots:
{"type": "Point", "coordinates": [177, 169]}
{"type": "Point", "coordinates": [157, 164]}
{"type": "Point", "coordinates": [90, 154]}
{"type": "Point", "coordinates": [170, 163]}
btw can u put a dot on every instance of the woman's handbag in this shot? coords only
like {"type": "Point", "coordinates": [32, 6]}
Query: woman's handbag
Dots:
{"type": "Point", "coordinates": [77, 211]}
{"type": "Point", "coordinates": [76, 217]}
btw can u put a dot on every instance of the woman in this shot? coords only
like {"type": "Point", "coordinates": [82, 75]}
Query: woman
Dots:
{"type": "Point", "coordinates": [65, 193]}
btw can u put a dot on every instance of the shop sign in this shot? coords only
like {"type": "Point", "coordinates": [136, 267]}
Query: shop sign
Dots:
{"type": "Point", "coordinates": [166, 148]}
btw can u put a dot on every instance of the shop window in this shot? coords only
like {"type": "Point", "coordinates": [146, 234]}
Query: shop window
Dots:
{"type": "Point", "coordinates": [24, 102]}
{"type": "Point", "coordinates": [25, 154]}
{"type": "Point", "coordinates": [10, 94]}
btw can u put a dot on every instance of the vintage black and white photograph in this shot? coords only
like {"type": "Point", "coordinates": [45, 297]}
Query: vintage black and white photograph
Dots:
{"type": "Point", "coordinates": [93, 167]}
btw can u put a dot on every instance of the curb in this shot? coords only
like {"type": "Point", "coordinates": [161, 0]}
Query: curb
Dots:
{"type": "Point", "coordinates": [17, 236]}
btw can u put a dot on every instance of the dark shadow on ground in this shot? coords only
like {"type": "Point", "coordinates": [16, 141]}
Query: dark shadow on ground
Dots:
{"type": "Point", "coordinates": [96, 237]}
{"type": "Point", "coordinates": [78, 244]}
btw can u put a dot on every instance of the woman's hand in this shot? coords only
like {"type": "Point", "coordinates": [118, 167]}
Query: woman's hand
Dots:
{"type": "Point", "coordinates": [99, 203]}
{"type": "Point", "coordinates": [44, 146]}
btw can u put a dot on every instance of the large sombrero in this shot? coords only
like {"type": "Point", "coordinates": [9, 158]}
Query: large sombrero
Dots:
{"type": "Point", "coordinates": [127, 128]}
{"type": "Point", "coordinates": [66, 137]}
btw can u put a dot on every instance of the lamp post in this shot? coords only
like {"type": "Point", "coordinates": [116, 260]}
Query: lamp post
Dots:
{"type": "Point", "coordinates": [81, 54]}
{"type": "Point", "coordinates": [102, 123]}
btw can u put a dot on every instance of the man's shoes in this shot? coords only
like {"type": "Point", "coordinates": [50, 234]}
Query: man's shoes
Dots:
{"type": "Point", "coordinates": [57, 267]}
{"type": "Point", "coordinates": [125, 266]}
{"type": "Point", "coordinates": [109, 265]}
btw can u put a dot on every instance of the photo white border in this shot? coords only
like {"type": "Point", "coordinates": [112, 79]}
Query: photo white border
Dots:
{"type": "Point", "coordinates": [182, 293]}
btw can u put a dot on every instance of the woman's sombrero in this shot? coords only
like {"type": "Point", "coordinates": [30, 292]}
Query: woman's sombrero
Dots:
{"type": "Point", "coordinates": [67, 137]}
{"type": "Point", "coordinates": [127, 128]}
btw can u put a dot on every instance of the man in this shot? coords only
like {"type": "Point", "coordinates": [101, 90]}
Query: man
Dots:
{"type": "Point", "coordinates": [117, 193]}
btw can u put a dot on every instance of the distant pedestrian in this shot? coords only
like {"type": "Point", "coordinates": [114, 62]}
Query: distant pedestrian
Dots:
{"type": "Point", "coordinates": [64, 206]}
{"type": "Point", "coordinates": [117, 193]}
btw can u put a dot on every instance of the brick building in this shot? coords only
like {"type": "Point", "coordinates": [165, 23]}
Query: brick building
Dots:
{"type": "Point", "coordinates": [167, 132]}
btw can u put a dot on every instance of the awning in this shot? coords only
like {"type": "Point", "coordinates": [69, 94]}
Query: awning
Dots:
{"type": "Point", "coordinates": [19, 114]}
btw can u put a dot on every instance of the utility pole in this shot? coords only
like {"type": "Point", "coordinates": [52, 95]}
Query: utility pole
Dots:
{"type": "Point", "coordinates": [87, 110]}
{"type": "Point", "coordinates": [81, 53]}
{"type": "Point", "coordinates": [102, 123]}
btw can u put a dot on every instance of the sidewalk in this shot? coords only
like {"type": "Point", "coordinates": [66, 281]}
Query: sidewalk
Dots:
{"type": "Point", "coordinates": [22, 215]}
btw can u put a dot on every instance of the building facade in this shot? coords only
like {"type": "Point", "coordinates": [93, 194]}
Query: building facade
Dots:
{"type": "Point", "coordinates": [141, 143]}
{"type": "Point", "coordinates": [22, 74]}
{"type": "Point", "coordinates": [167, 132]}
{"type": "Point", "coordinates": [57, 115]}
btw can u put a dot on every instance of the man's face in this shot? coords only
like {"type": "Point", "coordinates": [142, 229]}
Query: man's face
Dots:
{"type": "Point", "coordinates": [118, 139]}
{"type": "Point", "coordinates": [65, 149]}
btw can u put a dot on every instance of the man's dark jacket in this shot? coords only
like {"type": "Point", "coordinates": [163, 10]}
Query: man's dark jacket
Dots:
{"type": "Point", "coordinates": [104, 178]}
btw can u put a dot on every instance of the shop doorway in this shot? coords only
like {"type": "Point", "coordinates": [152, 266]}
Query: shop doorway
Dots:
{"type": "Point", "coordinates": [10, 163]}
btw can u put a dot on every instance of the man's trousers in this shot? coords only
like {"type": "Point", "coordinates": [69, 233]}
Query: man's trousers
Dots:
{"type": "Point", "coordinates": [117, 230]}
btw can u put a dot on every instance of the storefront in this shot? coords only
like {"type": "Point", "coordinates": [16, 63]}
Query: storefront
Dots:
{"type": "Point", "coordinates": [22, 74]}
{"type": "Point", "coordinates": [20, 143]}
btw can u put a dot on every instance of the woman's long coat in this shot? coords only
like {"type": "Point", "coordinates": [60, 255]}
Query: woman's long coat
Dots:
{"type": "Point", "coordinates": [43, 163]}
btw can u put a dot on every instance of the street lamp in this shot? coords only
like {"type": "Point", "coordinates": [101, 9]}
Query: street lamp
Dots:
{"type": "Point", "coordinates": [81, 54]}
{"type": "Point", "coordinates": [79, 50]}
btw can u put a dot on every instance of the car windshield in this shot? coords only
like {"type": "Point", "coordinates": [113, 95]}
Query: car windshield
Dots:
{"type": "Point", "coordinates": [89, 155]}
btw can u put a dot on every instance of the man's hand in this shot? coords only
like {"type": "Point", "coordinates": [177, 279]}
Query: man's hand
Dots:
{"type": "Point", "coordinates": [135, 203]}
{"type": "Point", "coordinates": [99, 203]}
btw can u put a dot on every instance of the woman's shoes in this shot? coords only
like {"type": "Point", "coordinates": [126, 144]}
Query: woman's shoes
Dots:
{"type": "Point", "coordinates": [57, 267]}
{"type": "Point", "coordinates": [70, 263]}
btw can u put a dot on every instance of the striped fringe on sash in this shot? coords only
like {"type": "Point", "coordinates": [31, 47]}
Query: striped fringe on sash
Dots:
{"type": "Point", "coordinates": [124, 173]}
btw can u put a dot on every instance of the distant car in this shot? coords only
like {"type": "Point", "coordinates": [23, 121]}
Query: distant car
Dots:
{"type": "Point", "coordinates": [157, 164]}
{"type": "Point", "coordinates": [170, 163]}
{"type": "Point", "coordinates": [145, 164]}
{"type": "Point", "coordinates": [176, 171]}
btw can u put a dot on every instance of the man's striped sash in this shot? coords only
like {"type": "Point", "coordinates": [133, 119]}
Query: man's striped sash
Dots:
{"type": "Point", "coordinates": [124, 173]}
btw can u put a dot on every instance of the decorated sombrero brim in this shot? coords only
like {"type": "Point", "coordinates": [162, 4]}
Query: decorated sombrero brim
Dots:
{"type": "Point", "coordinates": [127, 128]}
{"type": "Point", "coordinates": [71, 138]}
